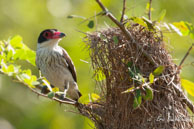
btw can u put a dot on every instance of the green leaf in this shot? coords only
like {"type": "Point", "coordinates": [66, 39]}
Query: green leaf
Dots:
{"type": "Point", "coordinates": [10, 52]}
{"type": "Point", "coordinates": [162, 15]}
{"type": "Point", "coordinates": [176, 29]}
{"type": "Point", "coordinates": [99, 75]}
{"type": "Point", "coordinates": [9, 70]}
{"type": "Point", "coordinates": [131, 89]}
{"type": "Point", "coordinates": [75, 16]}
{"type": "Point", "coordinates": [182, 27]}
{"type": "Point", "coordinates": [70, 16]}
{"type": "Point", "coordinates": [30, 56]}
{"type": "Point", "coordinates": [133, 71]}
{"type": "Point", "coordinates": [149, 23]}
{"type": "Point", "coordinates": [95, 97]}
{"type": "Point", "coordinates": [16, 42]}
{"type": "Point", "coordinates": [188, 86]}
{"type": "Point", "coordinates": [158, 70]}
{"type": "Point", "coordinates": [149, 93]}
{"type": "Point", "coordinates": [148, 7]}
{"type": "Point", "coordinates": [151, 78]}
{"type": "Point", "coordinates": [137, 99]}
{"type": "Point", "coordinates": [115, 39]}
{"type": "Point", "coordinates": [51, 94]}
{"type": "Point", "coordinates": [19, 54]}
{"type": "Point", "coordinates": [139, 21]}
{"type": "Point", "coordinates": [91, 24]}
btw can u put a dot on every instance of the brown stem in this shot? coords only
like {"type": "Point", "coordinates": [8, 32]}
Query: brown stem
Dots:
{"type": "Point", "coordinates": [184, 98]}
{"type": "Point", "coordinates": [150, 10]}
{"type": "Point", "coordinates": [123, 11]}
{"type": "Point", "coordinates": [182, 61]}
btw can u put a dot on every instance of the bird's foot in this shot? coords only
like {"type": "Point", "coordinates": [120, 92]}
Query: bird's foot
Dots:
{"type": "Point", "coordinates": [44, 90]}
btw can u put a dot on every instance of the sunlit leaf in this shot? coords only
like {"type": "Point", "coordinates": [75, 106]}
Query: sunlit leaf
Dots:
{"type": "Point", "coordinates": [95, 97]}
{"type": "Point", "coordinates": [16, 42]}
{"type": "Point", "coordinates": [188, 86]}
{"type": "Point", "coordinates": [91, 24]}
{"type": "Point", "coordinates": [55, 89]}
{"type": "Point", "coordinates": [176, 29]}
{"type": "Point", "coordinates": [151, 78]}
{"type": "Point", "coordinates": [158, 70]}
{"type": "Point", "coordinates": [148, 7]}
{"type": "Point", "coordinates": [149, 23]}
{"type": "Point", "coordinates": [191, 29]}
{"type": "Point", "coordinates": [131, 89]}
{"type": "Point", "coordinates": [10, 52]}
{"type": "Point", "coordinates": [31, 56]}
{"type": "Point", "coordinates": [162, 15]}
{"type": "Point", "coordinates": [137, 99]}
{"type": "Point", "coordinates": [10, 70]}
{"type": "Point", "coordinates": [182, 27]}
{"type": "Point", "coordinates": [99, 75]}
{"type": "Point", "coordinates": [19, 54]}
{"type": "Point", "coordinates": [139, 21]}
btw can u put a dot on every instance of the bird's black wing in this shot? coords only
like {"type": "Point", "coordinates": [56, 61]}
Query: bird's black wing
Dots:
{"type": "Point", "coordinates": [70, 66]}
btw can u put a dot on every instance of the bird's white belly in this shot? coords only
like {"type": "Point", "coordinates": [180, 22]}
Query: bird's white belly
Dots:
{"type": "Point", "coordinates": [57, 76]}
{"type": "Point", "coordinates": [53, 67]}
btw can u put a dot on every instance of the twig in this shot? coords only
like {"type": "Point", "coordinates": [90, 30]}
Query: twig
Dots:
{"type": "Point", "coordinates": [150, 10]}
{"type": "Point", "coordinates": [123, 11]}
{"type": "Point", "coordinates": [125, 31]}
{"type": "Point", "coordinates": [182, 61]}
{"type": "Point", "coordinates": [71, 102]}
{"type": "Point", "coordinates": [184, 97]}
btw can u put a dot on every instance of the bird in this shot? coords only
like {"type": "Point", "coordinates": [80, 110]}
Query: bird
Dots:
{"type": "Point", "coordinates": [55, 64]}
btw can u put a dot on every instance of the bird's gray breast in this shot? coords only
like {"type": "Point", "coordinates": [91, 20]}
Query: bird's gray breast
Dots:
{"type": "Point", "coordinates": [53, 66]}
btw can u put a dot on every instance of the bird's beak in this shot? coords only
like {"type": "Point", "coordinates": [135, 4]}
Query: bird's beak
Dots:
{"type": "Point", "coordinates": [58, 35]}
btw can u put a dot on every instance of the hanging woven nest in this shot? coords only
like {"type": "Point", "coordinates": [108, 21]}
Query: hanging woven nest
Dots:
{"type": "Point", "coordinates": [126, 70]}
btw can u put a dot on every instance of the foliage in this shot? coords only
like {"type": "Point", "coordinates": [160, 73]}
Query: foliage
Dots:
{"type": "Point", "coordinates": [12, 51]}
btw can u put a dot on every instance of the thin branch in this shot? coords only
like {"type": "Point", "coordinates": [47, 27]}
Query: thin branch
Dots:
{"type": "Point", "coordinates": [182, 61]}
{"type": "Point", "coordinates": [150, 10]}
{"type": "Point", "coordinates": [184, 97]}
{"type": "Point", "coordinates": [126, 32]}
{"type": "Point", "coordinates": [71, 102]}
{"type": "Point", "coordinates": [123, 11]}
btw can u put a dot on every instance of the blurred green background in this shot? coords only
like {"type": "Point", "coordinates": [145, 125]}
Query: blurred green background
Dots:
{"type": "Point", "coordinates": [22, 109]}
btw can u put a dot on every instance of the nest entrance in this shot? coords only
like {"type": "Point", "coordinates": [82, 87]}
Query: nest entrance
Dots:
{"type": "Point", "coordinates": [111, 52]}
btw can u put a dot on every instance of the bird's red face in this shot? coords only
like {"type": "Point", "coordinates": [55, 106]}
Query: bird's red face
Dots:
{"type": "Point", "coordinates": [53, 35]}
{"type": "Point", "coordinates": [50, 34]}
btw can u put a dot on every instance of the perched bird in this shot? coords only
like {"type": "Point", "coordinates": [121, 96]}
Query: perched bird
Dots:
{"type": "Point", "coordinates": [55, 64]}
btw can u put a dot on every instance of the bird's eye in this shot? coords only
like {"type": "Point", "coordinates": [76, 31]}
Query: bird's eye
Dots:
{"type": "Point", "coordinates": [47, 35]}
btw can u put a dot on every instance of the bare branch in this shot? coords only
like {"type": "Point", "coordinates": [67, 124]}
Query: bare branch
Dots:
{"type": "Point", "coordinates": [123, 11]}
{"type": "Point", "coordinates": [182, 61]}
{"type": "Point", "coordinates": [65, 101]}
{"type": "Point", "coordinates": [184, 98]}
{"type": "Point", "coordinates": [150, 10]}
